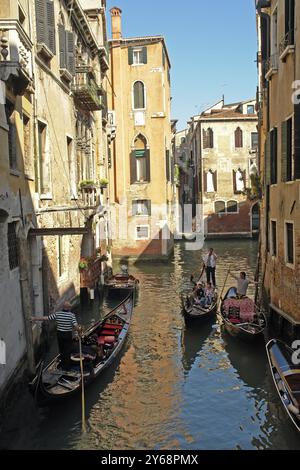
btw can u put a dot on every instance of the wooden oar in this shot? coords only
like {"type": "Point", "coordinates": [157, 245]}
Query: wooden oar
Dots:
{"type": "Point", "coordinates": [202, 273]}
{"type": "Point", "coordinates": [83, 423]}
{"type": "Point", "coordinates": [221, 297]}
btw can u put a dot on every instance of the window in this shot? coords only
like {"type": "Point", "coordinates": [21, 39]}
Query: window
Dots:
{"type": "Point", "coordinates": [238, 137]}
{"type": "Point", "coordinates": [137, 55]}
{"type": "Point", "coordinates": [142, 232]}
{"type": "Point", "coordinates": [140, 161]}
{"type": "Point", "coordinates": [13, 247]}
{"type": "Point", "coordinates": [72, 167]}
{"type": "Point", "coordinates": [210, 181]}
{"type": "Point", "coordinates": [254, 141]}
{"type": "Point", "coordinates": [43, 159]}
{"type": "Point", "coordinates": [141, 207]}
{"type": "Point", "coordinates": [139, 99]}
{"type": "Point", "coordinates": [208, 138]}
{"type": "Point", "coordinates": [66, 50]}
{"type": "Point", "coordinates": [239, 181]}
{"type": "Point", "coordinates": [232, 207]}
{"type": "Point", "coordinates": [287, 150]}
{"type": "Point", "coordinates": [250, 109]}
{"type": "Point", "coordinates": [289, 243]}
{"type": "Point", "coordinates": [273, 155]}
{"type": "Point", "coordinates": [22, 17]}
{"type": "Point", "coordinates": [220, 207]}
{"type": "Point", "coordinates": [45, 24]}
{"type": "Point", "coordinates": [273, 238]}
{"type": "Point", "coordinates": [27, 145]}
{"type": "Point", "coordinates": [12, 134]}
{"type": "Point", "coordinates": [290, 21]}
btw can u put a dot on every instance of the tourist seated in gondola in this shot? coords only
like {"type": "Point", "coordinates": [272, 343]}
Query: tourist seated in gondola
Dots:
{"type": "Point", "coordinates": [208, 295]}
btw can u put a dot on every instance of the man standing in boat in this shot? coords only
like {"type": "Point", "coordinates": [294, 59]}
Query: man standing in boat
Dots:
{"type": "Point", "coordinates": [210, 262]}
{"type": "Point", "coordinates": [242, 283]}
{"type": "Point", "coordinates": [66, 323]}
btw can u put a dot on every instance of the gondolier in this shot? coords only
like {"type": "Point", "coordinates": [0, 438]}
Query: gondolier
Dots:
{"type": "Point", "coordinates": [66, 323]}
{"type": "Point", "coordinates": [242, 283]}
{"type": "Point", "coordinates": [210, 261]}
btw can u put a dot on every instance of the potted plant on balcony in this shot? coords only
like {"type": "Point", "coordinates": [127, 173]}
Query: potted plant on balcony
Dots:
{"type": "Point", "coordinates": [87, 185]}
{"type": "Point", "coordinates": [103, 183]}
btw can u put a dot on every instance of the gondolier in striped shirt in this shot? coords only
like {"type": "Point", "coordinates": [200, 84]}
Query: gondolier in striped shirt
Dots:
{"type": "Point", "coordinates": [66, 323]}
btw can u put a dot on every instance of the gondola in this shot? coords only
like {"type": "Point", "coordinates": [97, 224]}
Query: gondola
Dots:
{"type": "Point", "coordinates": [286, 376]}
{"type": "Point", "coordinates": [193, 312]}
{"type": "Point", "coordinates": [121, 283]}
{"type": "Point", "coordinates": [101, 343]}
{"type": "Point", "coordinates": [241, 317]}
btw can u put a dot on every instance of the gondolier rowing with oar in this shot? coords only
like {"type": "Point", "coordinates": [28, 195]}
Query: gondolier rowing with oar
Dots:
{"type": "Point", "coordinates": [66, 323]}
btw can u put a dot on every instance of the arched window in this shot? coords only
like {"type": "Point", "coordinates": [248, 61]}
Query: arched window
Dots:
{"type": "Point", "coordinates": [238, 137]}
{"type": "Point", "coordinates": [210, 181]}
{"type": "Point", "coordinates": [140, 161]}
{"type": "Point", "coordinates": [220, 207]}
{"type": "Point", "coordinates": [139, 98]}
{"type": "Point", "coordinates": [239, 181]}
{"type": "Point", "coordinates": [208, 138]}
{"type": "Point", "coordinates": [232, 207]}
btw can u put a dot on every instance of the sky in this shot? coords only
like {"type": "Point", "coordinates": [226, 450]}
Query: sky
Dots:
{"type": "Point", "coordinates": [212, 47]}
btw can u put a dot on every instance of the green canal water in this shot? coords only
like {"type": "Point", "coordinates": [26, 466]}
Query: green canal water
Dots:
{"type": "Point", "coordinates": [172, 387]}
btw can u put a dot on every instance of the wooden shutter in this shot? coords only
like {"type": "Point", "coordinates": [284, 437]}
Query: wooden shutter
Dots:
{"type": "Point", "coordinates": [205, 143]}
{"type": "Point", "coordinates": [168, 165]}
{"type": "Point", "coordinates": [234, 181]}
{"type": "Point", "coordinates": [144, 55]}
{"type": "Point", "coordinates": [148, 205]}
{"type": "Point", "coordinates": [41, 21]}
{"type": "Point", "coordinates": [215, 180]}
{"type": "Point", "coordinates": [268, 159]}
{"type": "Point", "coordinates": [163, 57]}
{"type": "Point", "coordinates": [62, 46]}
{"type": "Point", "coordinates": [205, 181]}
{"type": "Point", "coordinates": [274, 156]}
{"type": "Point", "coordinates": [148, 172]}
{"type": "Point", "coordinates": [134, 208]}
{"type": "Point", "coordinates": [284, 151]}
{"type": "Point", "coordinates": [297, 142]}
{"type": "Point", "coordinates": [70, 46]}
{"type": "Point", "coordinates": [51, 43]}
{"type": "Point", "coordinates": [130, 55]}
{"type": "Point", "coordinates": [132, 168]}
{"type": "Point", "coordinates": [211, 138]}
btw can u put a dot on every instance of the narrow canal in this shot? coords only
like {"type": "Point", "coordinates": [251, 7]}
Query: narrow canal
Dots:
{"type": "Point", "coordinates": [172, 387]}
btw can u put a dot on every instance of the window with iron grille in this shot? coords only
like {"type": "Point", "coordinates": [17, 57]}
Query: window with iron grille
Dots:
{"type": "Point", "coordinates": [289, 243]}
{"type": "Point", "coordinates": [12, 243]}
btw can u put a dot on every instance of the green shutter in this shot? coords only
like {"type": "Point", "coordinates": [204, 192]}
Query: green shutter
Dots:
{"type": "Point", "coordinates": [297, 141]}
{"type": "Point", "coordinates": [148, 205]}
{"type": "Point", "coordinates": [130, 55]}
{"type": "Point", "coordinates": [168, 165]}
{"type": "Point", "coordinates": [51, 43]}
{"type": "Point", "coordinates": [41, 21]}
{"type": "Point", "coordinates": [284, 151]}
{"type": "Point", "coordinates": [62, 46]}
{"type": "Point", "coordinates": [132, 167]}
{"type": "Point", "coordinates": [70, 55]}
{"type": "Point", "coordinates": [268, 160]}
{"type": "Point", "coordinates": [148, 172]}
{"type": "Point", "coordinates": [144, 54]}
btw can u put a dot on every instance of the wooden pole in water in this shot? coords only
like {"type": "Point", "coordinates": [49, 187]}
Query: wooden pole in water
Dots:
{"type": "Point", "coordinates": [83, 423]}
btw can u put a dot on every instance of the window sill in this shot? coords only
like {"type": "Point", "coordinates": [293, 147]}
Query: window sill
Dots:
{"type": "Point", "coordinates": [290, 266]}
{"type": "Point", "coordinates": [46, 197]}
{"type": "Point", "coordinates": [13, 172]}
{"type": "Point", "coordinates": [140, 182]}
{"type": "Point", "coordinates": [270, 73]}
{"type": "Point", "coordinates": [66, 75]}
{"type": "Point", "coordinates": [288, 50]}
{"type": "Point", "coordinates": [44, 52]}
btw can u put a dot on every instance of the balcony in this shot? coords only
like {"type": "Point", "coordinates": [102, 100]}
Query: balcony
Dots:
{"type": "Point", "coordinates": [15, 57]}
{"type": "Point", "coordinates": [85, 89]}
{"type": "Point", "coordinates": [271, 66]}
{"type": "Point", "coordinates": [287, 45]}
{"type": "Point", "coordinates": [90, 194]}
{"type": "Point", "coordinates": [90, 272]}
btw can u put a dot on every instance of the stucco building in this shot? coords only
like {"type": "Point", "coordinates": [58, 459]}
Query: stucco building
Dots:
{"type": "Point", "coordinates": [223, 146]}
{"type": "Point", "coordinates": [279, 117]}
{"type": "Point", "coordinates": [55, 138]}
{"type": "Point", "coordinates": [142, 166]}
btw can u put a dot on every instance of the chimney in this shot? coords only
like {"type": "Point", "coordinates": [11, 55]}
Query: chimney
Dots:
{"type": "Point", "coordinates": [116, 22]}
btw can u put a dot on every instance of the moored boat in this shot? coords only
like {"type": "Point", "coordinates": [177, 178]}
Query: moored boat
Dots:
{"type": "Point", "coordinates": [241, 317]}
{"type": "Point", "coordinates": [121, 282]}
{"type": "Point", "coordinates": [286, 376]}
{"type": "Point", "coordinates": [101, 344]}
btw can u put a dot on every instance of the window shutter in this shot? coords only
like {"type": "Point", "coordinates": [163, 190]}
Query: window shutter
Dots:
{"type": "Point", "coordinates": [134, 208]}
{"type": "Point", "coordinates": [215, 180]}
{"type": "Point", "coordinates": [50, 26]}
{"type": "Point", "coordinates": [41, 21]}
{"type": "Point", "coordinates": [205, 181]}
{"type": "Point", "coordinates": [62, 46]}
{"type": "Point", "coordinates": [144, 54]}
{"type": "Point", "coordinates": [284, 151]}
{"type": "Point", "coordinates": [268, 159]}
{"type": "Point", "coordinates": [70, 45]}
{"type": "Point", "coordinates": [205, 143]}
{"type": "Point", "coordinates": [168, 165]}
{"type": "Point", "coordinates": [234, 181]}
{"type": "Point", "coordinates": [132, 168]}
{"type": "Point", "coordinates": [163, 57]}
{"type": "Point", "coordinates": [211, 139]}
{"type": "Point", "coordinates": [148, 172]}
{"type": "Point", "coordinates": [274, 156]}
{"type": "Point", "coordinates": [297, 142]}
{"type": "Point", "coordinates": [130, 55]}
{"type": "Point", "coordinates": [148, 205]}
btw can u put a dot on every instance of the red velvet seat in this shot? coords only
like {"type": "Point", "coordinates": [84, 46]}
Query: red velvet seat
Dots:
{"type": "Point", "coordinates": [106, 332]}
{"type": "Point", "coordinates": [106, 340]}
{"type": "Point", "coordinates": [110, 326]}
{"type": "Point", "coordinates": [235, 321]}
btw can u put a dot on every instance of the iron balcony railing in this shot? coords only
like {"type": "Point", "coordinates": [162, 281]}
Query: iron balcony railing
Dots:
{"type": "Point", "coordinates": [272, 63]}
{"type": "Point", "coordinates": [288, 40]}
{"type": "Point", "coordinates": [86, 90]}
